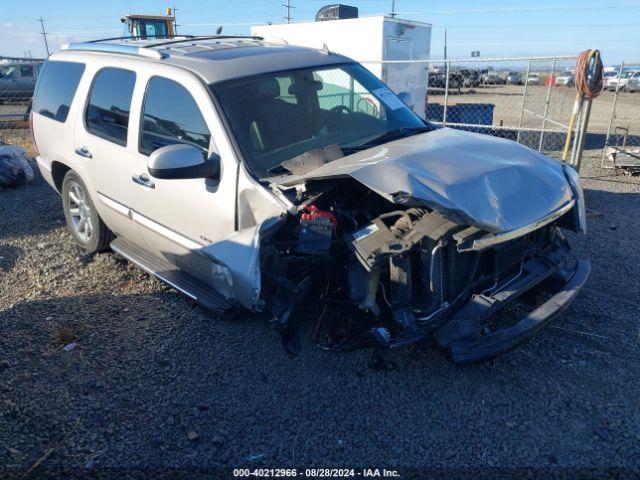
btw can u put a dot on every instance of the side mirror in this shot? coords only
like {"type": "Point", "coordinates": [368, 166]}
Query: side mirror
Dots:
{"type": "Point", "coordinates": [182, 161]}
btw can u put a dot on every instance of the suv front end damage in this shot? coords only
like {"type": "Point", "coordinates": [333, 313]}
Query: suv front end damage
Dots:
{"type": "Point", "coordinates": [389, 266]}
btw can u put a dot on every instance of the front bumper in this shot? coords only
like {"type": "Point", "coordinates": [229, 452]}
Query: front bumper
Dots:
{"type": "Point", "coordinates": [466, 352]}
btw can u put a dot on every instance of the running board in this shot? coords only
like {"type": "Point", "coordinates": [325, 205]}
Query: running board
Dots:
{"type": "Point", "coordinates": [171, 275]}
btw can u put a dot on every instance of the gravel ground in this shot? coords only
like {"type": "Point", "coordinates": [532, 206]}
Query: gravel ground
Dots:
{"type": "Point", "coordinates": [156, 384]}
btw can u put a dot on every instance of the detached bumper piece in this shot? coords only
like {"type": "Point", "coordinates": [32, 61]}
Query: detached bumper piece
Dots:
{"type": "Point", "coordinates": [467, 352]}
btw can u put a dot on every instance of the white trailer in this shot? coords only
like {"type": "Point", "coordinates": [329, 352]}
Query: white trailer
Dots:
{"type": "Point", "coordinates": [369, 40]}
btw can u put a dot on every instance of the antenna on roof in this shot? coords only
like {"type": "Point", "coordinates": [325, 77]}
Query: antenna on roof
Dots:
{"type": "Point", "coordinates": [219, 30]}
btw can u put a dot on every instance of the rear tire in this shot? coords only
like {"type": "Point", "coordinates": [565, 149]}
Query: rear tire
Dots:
{"type": "Point", "coordinates": [83, 221]}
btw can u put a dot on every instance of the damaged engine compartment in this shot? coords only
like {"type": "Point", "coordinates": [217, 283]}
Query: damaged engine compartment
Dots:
{"type": "Point", "coordinates": [384, 274]}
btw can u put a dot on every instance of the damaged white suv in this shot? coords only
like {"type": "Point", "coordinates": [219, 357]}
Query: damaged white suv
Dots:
{"type": "Point", "coordinates": [293, 181]}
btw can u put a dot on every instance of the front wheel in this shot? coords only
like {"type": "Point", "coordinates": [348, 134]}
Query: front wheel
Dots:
{"type": "Point", "coordinates": [83, 221]}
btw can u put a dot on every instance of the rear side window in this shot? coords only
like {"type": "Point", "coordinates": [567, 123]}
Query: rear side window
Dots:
{"type": "Point", "coordinates": [170, 116]}
{"type": "Point", "coordinates": [56, 88]}
{"type": "Point", "coordinates": [26, 71]}
{"type": "Point", "coordinates": [107, 114]}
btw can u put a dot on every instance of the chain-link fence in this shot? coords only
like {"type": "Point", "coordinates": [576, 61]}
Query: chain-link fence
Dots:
{"type": "Point", "coordinates": [18, 77]}
{"type": "Point", "coordinates": [526, 99]}
{"type": "Point", "coordinates": [622, 141]}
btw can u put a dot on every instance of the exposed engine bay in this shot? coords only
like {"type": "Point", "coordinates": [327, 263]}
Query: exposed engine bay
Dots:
{"type": "Point", "coordinates": [384, 274]}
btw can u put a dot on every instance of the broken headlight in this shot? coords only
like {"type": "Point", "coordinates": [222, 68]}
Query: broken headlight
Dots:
{"type": "Point", "coordinates": [580, 209]}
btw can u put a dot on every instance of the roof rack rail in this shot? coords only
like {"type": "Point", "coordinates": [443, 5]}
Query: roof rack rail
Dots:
{"type": "Point", "coordinates": [138, 37]}
{"type": "Point", "coordinates": [115, 48]}
{"type": "Point", "coordinates": [172, 38]}
{"type": "Point", "coordinates": [189, 38]}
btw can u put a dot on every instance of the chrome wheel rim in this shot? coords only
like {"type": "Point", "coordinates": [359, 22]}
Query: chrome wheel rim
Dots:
{"type": "Point", "coordinates": [80, 212]}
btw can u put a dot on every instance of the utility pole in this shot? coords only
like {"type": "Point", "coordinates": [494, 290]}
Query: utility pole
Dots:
{"type": "Point", "coordinates": [393, 8]}
{"type": "Point", "coordinates": [288, 18]}
{"type": "Point", "coordinates": [175, 20]}
{"type": "Point", "coordinates": [445, 43]}
{"type": "Point", "coordinates": [44, 34]}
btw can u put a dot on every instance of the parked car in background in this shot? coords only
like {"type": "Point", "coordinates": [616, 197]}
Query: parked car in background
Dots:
{"type": "Point", "coordinates": [470, 78]}
{"type": "Point", "coordinates": [611, 83]}
{"type": "Point", "coordinates": [456, 80]}
{"type": "Point", "coordinates": [278, 178]}
{"type": "Point", "coordinates": [514, 78]}
{"type": "Point", "coordinates": [566, 79]}
{"type": "Point", "coordinates": [437, 80]}
{"type": "Point", "coordinates": [633, 85]}
{"type": "Point", "coordinates": [18, 81]}
{"type": "Point", "coordinates": [534, 79]}
{"type": "Point", "coordinates": [491, 78]}
{"type": "Point", "coordinates": [630, 75]}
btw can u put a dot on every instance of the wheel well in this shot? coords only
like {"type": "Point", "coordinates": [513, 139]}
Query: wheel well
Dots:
{"type": "Point", "coordinates": [58, 171]}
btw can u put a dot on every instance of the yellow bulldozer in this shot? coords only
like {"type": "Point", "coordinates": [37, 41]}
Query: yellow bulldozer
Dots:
{"type": "Point", "coordinates": [149, 26]}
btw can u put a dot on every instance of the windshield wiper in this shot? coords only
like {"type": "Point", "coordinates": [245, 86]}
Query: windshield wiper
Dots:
{"type": "Point", "coordinates": [387, 137]}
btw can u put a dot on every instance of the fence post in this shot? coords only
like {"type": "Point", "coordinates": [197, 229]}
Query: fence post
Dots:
{"type": "Point", "coordinates": [524, 100]}
{"type": "Point", "coordinates": [546, 105]}
{"type": "Point", "coordinates": [446, 94]}
{"type": "Point", "coordinates": [612, 117]}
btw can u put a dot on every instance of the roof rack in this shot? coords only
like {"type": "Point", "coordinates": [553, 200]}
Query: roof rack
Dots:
{"type": "Point", "coordinates": [115, 48]}
{"type": "Point", "coordinates": [148, 51]}
{"type": "Point", "coordinates": [171, 39]}
{"type": "Point", "coordinates": [137, 37]}
{"type": "Point", "coordinates": [206, 37]}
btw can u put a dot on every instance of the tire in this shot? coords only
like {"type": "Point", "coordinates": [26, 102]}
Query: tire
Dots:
{"type": "Point", "coordinates": [83, 221]}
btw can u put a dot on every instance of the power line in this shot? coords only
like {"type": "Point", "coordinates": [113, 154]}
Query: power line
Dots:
{"type": "Point", "coordinates": [520, 10]}
{"type": "Point", "coordinates": [44, 34]}
{"type": "Point", "coordinates": [538, 25]}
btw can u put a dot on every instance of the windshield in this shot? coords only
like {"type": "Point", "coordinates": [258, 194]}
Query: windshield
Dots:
{"type": "Point", "coordinates": [278, 116]}
{"type": "Point", "coordinates": [627, 74]}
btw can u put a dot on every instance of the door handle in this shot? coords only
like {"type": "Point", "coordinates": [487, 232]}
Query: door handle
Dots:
{"type": "Point", "coordinates": [143, 180]}
{"type": "Point", "coordinates": [84, 152]}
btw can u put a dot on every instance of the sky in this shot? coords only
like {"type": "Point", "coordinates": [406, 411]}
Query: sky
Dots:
{"type": "Point", "coordinates": [495, 28]}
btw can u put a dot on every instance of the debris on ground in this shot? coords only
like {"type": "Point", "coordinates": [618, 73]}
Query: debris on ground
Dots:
{"type": "Point", "coordinates": [69, 346]}
{"type": "Point", "coordinates": [14, 166]}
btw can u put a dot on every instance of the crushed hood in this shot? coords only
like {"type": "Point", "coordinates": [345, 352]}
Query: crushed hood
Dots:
{"type": "Point", "coordinates": [495, 184]}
